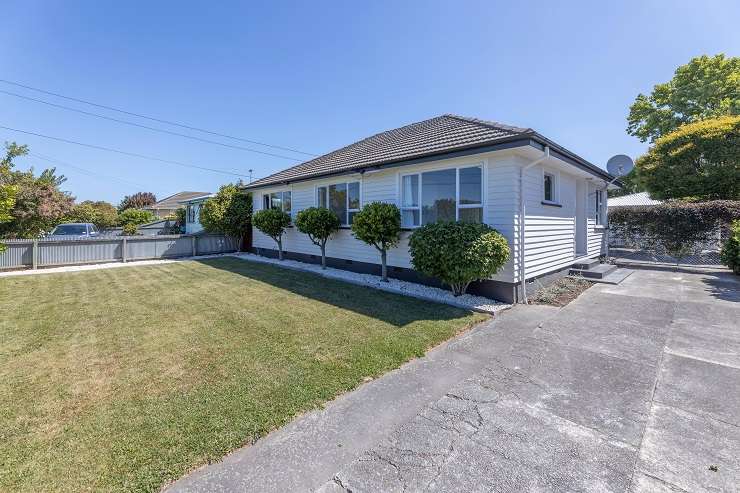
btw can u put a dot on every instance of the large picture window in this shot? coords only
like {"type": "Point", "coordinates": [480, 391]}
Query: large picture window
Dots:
{"type": "Point", "coordinates": [444, 195]}
{"type": "Point", "coordinates": [341, 198]}
{"type": "Point", "coordinates": [277, 200]}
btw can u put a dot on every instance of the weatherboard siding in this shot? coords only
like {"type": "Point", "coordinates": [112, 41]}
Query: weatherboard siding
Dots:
{"type": "Point", "coordinates": [549, 230]}
{"type": "Point", "coordinates": [383, 186]}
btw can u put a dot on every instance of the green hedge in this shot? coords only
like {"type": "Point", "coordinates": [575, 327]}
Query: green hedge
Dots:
{"type": "Point", "coordinates": [678, 227]}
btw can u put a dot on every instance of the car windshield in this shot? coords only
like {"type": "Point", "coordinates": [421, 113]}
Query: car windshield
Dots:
{"type": "Point", "coordinates": [69, 229]}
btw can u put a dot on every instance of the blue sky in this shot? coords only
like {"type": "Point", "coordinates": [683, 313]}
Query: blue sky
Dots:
{"type": "Point", "coordinates": [315, 76]}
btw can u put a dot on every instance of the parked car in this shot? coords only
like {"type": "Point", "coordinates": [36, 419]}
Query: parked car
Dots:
{"type": "Point", "coordinates": [74, 230]}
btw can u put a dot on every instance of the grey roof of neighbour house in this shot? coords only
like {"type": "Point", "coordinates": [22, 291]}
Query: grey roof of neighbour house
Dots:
{"type": "Point", "coordinates": [640, 199]}
{"type": "Point", "coordinates": [436, 136]}
{"type": "Point", "coordinates": [173, 201]}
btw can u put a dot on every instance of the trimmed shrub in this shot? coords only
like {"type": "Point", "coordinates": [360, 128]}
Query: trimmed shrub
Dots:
{"type": "Point", "coordinates": [319, 224]}
{"type": "Point", "coordinates": [378, 224]}
{"type": "Point", "coordinates": [135, 217]}
{"type": "Point", "coordinates": [272, 222]}
{"type": "Point", "coordinates": [458, 253]}
{"type": "Point", "coordinates": [731, 249]}
{"type": "Point", "coordinates": [130, 229]}
{"type": "Point", "coordinates": [676, 227]}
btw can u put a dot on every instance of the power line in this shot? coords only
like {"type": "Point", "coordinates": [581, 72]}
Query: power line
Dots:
{"type": "Point", "coordinates": [125, 153]}
{"type": "Point", "coordinates": [68, 108]}
{"type": "Point", "coordinates": [168, 122]}
{"type": "Point", "coordinates": [84, 170]}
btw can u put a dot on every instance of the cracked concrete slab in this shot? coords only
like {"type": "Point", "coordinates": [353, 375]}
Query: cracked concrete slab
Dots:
{"type": "Point", "coordinates": [540, 399]}
{"type": "Point", "coordinates": [701, 387]}
{"type": "Point", "coordinates": [594, 390]}
{"type": "Point", "coordinates": [681, 449]}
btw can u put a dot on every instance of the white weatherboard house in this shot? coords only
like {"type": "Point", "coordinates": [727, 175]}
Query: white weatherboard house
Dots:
{"type": "Point", "coordinates": [192, 213]}
{"type": "Point", "coordinates": [548, 202]}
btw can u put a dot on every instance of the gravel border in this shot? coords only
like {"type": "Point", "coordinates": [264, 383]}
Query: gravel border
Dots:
{"type": "Point", "coordinates": [420, 291]}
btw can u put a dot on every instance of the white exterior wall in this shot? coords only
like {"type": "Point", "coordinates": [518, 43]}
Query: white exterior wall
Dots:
{"type": "Point", "coordinates": [550, 231]}
{"type": "Point", "coordinates": [596, 233]}
{"type": "Point", "coordinates": [192, 227]}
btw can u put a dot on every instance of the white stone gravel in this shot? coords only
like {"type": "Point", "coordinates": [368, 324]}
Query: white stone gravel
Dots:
{"type": "Point", "coordinates": [466, 301]}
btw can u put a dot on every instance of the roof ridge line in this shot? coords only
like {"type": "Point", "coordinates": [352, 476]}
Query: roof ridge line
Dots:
{"type": "Point", "coordinates": [490, 123]}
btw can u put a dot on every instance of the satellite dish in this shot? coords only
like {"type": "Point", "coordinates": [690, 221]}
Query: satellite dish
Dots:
{"type": "Point", "coordinates": [619, 165]}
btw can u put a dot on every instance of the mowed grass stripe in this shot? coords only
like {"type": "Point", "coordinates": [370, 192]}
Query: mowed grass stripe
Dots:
{"type": "Point", "coordinates": [125, 379]}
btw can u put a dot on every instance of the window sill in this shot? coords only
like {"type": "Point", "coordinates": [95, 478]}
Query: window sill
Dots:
{"type": "Point", "coordinates": [551, 204]}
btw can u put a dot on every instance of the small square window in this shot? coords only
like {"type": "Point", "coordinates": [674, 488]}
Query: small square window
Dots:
{"type": "Point", "coordinates": [549, 186]}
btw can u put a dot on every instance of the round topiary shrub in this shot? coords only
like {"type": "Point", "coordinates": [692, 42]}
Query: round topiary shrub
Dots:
{"type": "Point", "coordinates": [378, 224]}
{"type": "Point", "coordinates": [458, 253]}
{"type": "Point", "coordinates": [319, 224]}
{"type": "Point", "coordinates": [272, 222]}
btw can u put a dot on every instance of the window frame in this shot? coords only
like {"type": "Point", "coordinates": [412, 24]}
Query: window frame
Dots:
{"type": "Point", "coordinates": [346, 184]}
{"type": "Point", "coordinates": [598, 206]}
{"type": "Point", "coordinates": [554, 187]}
{"type": "Point", "coordinates": [267, 200]}
{"type": "Point", "coordinates": [458, 205]}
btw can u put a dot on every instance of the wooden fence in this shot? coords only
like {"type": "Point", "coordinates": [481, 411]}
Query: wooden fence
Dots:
{"type": "Point", "coordinates": [55, 252]}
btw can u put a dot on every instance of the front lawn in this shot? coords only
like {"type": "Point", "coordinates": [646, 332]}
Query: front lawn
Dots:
{"type": "Point", "coordinates": [124, 379]}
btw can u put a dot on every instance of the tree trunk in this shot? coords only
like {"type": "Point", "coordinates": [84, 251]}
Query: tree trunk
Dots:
{"type": "Point", "coordinates": [383, 267]}
{"type": "Point", "coordinates": [280, 249]}
{"type": "Point", "coordinates": [323, 256]}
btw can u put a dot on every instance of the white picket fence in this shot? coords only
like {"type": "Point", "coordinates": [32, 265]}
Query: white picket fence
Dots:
{"type": "Point", "coordinates": [47, 253]}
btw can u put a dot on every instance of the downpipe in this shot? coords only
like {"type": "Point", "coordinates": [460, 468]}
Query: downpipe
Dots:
{"type": "Point", "coordinates": [522, 211]}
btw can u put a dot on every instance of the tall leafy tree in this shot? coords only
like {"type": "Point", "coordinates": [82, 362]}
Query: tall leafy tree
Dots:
{"type": "Point", "coordinates": [38, 203]}
{"type": "Point", "coordinates": [102, 214]}
{"type": "Point", "coordinates": [229, 212]}
{"type": "Point", "coordinates": [137, 201]}
{"type": "Point", "coordinates": [706, 87]}
{"type": "Point", "coordinates": [8, 191]}
{"type": "Point", "coordinates": [698, 161]}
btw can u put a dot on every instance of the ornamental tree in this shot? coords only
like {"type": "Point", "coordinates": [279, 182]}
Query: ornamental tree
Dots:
{"type": "Point", "coordinates": [319, 224]}
{"type": "Point", "coordinates": [378, 224]}
{"type": "Point", "coordinates": [39, 204]}
{"type": "Point", "coordinates": [706, 87]}
{"type": "Point", "coordinates": [699, 161]}
{"type": "Point", "coordinates": [137, 201]}
{"type": "Point", "coordinates": [228, 212]}
{"type": "Point", "coordinates": [458, 253]}
{"type": "Point", "coordinates": [273, 223]}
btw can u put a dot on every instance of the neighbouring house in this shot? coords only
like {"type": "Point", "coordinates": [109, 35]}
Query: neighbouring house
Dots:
{"type": "Point", "coordinates": [451, 168]}
{"type": "Point", "coordinates": [639, 199]}
{"type": "Point", "coordinates": [169, 205]}
{"type": "Point", "coordinates": [192, 213]}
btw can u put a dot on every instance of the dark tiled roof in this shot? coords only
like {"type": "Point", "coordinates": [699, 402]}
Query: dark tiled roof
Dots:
{"type": "Point", "coordinates": [437, 135]}
{"type": "Point", "coordinates": [173, 201]}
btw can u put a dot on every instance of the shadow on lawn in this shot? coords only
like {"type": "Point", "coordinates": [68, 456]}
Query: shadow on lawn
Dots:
{"type": "Point", "coordinates": [391, 308]}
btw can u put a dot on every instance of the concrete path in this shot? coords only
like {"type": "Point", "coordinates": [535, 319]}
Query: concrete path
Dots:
{"type": "Point", "coordinates": [634, 387]}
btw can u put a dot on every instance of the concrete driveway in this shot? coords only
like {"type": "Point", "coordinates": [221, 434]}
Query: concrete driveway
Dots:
{"type": "Point", "coordinates": [634, 387]}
